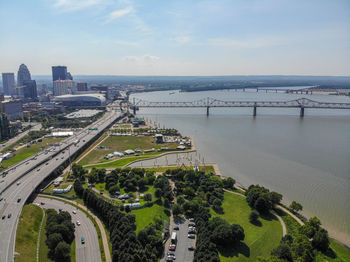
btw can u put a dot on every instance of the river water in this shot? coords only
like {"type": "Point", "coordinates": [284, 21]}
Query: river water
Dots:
{"type": "Point", "coordinates": [307, 160]}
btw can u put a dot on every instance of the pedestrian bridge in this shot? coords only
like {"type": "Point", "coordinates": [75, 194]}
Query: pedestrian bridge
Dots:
{"type": "Point", "coordinates": [208, 102]}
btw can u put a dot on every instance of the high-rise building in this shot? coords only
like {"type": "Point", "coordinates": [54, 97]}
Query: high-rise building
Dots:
{"type": "Point", "coordinates": [4, 126]}
{"type": "Point", "coordinates": [29, 90]}
{"type": "Point", "coordinates": [59, 73]}
{"type": "Point", "coordinates": [63, 87]}
{"type": "Point", "coordinates": [13, 109]}
{"type": "Point", "coordinates": [99, 88]}
{"type": "Point", "coordinates": [82, 86]}
{"type": "Point", "coordinates": [69, 76]}
{"type": "Point", "coordinates": [8, 82]}
{"type": "Point", "coordinates": [23, 75]}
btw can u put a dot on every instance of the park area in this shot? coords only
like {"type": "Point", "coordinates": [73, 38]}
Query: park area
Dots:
{"type": "Point", "coordinates": [259, 240]}
{"type": "Point", "coordinates": [120, 144]}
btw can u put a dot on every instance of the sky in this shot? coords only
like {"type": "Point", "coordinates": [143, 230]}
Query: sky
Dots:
{"type": "Point", "coordinates": [176, 37]}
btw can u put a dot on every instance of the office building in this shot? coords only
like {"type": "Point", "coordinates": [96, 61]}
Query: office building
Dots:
{"type": "Point", "coordinates": [29, 90]}
{"type": "Point", "coordinates": [8, 82]}
{"type": "Point", "coordinates": [59, 73]}
{"type": "Point", "coordinates": [13, 109]}
{"type": "Point", "coordinates": [63, 87]}
{"type": "Point", "coordinates": [69, 76]}
{"type": "Point", "coordinates": [23, 75]}
{"type": "Point", "coordinates": [4, 126]}
{"type": "Point", "coordinates": [82, 87]}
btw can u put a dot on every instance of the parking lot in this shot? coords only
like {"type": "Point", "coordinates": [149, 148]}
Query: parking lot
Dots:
{"type": "Point", "coordinates": [183, 242]}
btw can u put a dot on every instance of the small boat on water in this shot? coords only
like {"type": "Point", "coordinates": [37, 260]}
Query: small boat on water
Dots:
{"type": "Point", "coordinates": [171, 93]}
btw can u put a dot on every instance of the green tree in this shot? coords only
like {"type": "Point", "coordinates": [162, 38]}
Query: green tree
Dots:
{"type": "Point", "coordinates": [295, 206]}
{"type": "Point", "coordinates": [62, 250]}
{"type": "Point", "coordinates": [229, 182]}
{"type": "Point", "coordinates": [283, 252]}
{"type": "Point", "coordinates": [321, 240]}
{"type": "Point", "coordinates": [148, 197]}
{"type": "Point", "coordinates": [53, 239]}
{"type": "Point", "coordinates": [177, 210]}
{"type": "Point", "coordinates": [253, 217]}
{"type": "Point", "coordinates": [275, 198]}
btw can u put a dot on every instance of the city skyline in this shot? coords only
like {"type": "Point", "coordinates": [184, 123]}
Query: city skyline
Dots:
{"type": "Point", "coordinates": [125, 37]}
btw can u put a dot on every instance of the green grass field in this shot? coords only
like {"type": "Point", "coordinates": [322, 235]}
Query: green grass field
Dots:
{"type": "Point", "coordinates": [259, 240]}
{"type": "Point", "coordinates": [146, 216]}
{"type": "Point", "coordinates": [26, 152]}
{"type": "Point", "coordinates": [28, 233]}
{"type": "Point", "coordinates": [122, 143]}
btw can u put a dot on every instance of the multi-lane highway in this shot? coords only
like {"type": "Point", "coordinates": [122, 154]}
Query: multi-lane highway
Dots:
{"type": "Point", "coordinates": [88, 252]}
{"type": "Point", "coordinates": [20, 181]}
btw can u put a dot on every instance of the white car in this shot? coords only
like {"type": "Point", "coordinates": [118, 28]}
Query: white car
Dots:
{"type": "Point", "coordinates": [74, 212]}
{"type": "Point", "coordinates": [78, 223]}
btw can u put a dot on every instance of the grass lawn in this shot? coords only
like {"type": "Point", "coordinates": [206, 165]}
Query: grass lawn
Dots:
{"type": "Point", "coordinates": [122, 143]}
{"type": "Point", "coordinates": [28, 233]}
{"type": "Point", "coordinates": [26, 152]}
{"type": "Point", "coordinates": [146, 216]}
{"type": "Point", "coordinates": [259, 240]}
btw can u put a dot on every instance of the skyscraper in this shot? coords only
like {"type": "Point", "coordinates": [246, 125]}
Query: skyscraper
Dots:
{"type": "Point", "coordinates": [82, 86]}
{"type": "Point", "coordinates": [8, 82]}
{"type": "Point", "coordinates": [29, 90]}
{"type": "Point", "coordinates": [69, 76]}
{"type": "Point", "coordinates": [63, 87]}
{"type": "Point", "coordinates": [23, 75]}
{"type": "Point", "coordinates": [59, 73]}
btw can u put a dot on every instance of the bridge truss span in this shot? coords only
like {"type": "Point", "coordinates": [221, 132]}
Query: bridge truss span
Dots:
{"type": "Point", "coordinates": [208, 102]}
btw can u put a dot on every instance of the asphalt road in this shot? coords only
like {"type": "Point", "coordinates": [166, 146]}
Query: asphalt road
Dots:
{"type": "Point", "coordinates": [88, 252]}
{"type": "Point", "coordinates": [183, 242]}
{"type": "Point", "coordinates": [19, 136]}
{"type": "Point", "coordinates": [11, 191]}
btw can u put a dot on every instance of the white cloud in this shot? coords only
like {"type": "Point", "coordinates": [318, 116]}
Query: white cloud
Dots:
{"type": "Point", "coordinates": [145, 59]}
{"type": "Point", "coordinates": [126, 43]}
{"type": "Point", "coordinates": [256, 43]}
{"type": "Point", "coordinates": [74, 5]}
{"type": "Point", "coordinates": [116, 14]}
{"type": "Point", "coordinates": [182, 39]}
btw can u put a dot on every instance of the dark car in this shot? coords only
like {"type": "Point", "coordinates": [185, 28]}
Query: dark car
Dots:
{"type": "Point", "coordinates": [191, 248]}
{"type": "Point", "coordinates": [9, 215]}
{"type": "Point", "coordinates": [176, 228]}
{"type": "Point", "coordinates": [18, 200]}
{"type": "Point", "coordinates": [3, 217]}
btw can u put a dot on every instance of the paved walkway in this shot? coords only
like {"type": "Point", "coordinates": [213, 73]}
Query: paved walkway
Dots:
{"type": "Point", "coordinates": [98, 221]}
{"type": "Point", "coordinates": [291, 214]}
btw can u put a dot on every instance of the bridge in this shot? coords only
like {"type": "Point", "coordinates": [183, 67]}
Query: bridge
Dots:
{"type": "Point", "coordinates": [208, 102]}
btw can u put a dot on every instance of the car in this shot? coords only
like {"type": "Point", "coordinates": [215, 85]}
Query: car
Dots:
{"type": "Point", "coordinates": [38, 169]}
{"type": "Point", "coordinates": [176, 228]}
{"type": "Point", "coordinates": [18, 200]}
{"type": "Point", "coordinates": [191, 225]}
{"type": "Point", "coordinates": [18, 183]}
{"type": "Point", "coordinates": [3, 217]}
{"type": "Point", "coordinates": [42, 203]}
{"type": "Point", "coordinates": [191, 235]}
{"type": "Point", "coordinates": [9, 215]}
{"type": "Point", "coordinates": [27, 163]}
{"type": "Point", "coordinates": [60, 210]}
{"type": "Point", "coordinates": [78, 223]}
{"type": "Point", "coordinates": [62, 157]}
{"type": "Point", "coordinates": [1, 198]}
{"type": "Point", "coordinates": [172, 247]}
{"type": "Point", "coordinates": [47, 163]}
{"type": "Point", "coordinates": [170, 258]}
{"type": "Point", "coordinates": [191, 248]}
{"type": "Point", "coordinates": [191, 219]}
{"type": "Point", "coordinates": [170, 253]}
{"type": "Point", "coordinates": [83, 240]}
{"type": "Point", "coordinates": [56, 159]}
{"type": "Point", "coordinates": [74, 212]}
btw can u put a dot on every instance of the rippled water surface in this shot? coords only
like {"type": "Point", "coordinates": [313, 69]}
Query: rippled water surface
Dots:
{"type": "Point", "coordinates": [307, 160]}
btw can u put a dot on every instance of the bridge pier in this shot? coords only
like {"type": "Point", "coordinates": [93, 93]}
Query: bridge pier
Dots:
{"type": "Point", "coordinates": [207, 110]}
{"type": "Point", "coordinates": [134, 110]}
{"type": "Point", "coordinates": [302, 111]}
{"type": "Point", "coordinates": [254, 111]}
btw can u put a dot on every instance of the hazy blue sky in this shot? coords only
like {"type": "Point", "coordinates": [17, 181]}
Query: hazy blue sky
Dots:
{"type": "Point", "coordinates": [176, 37]}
